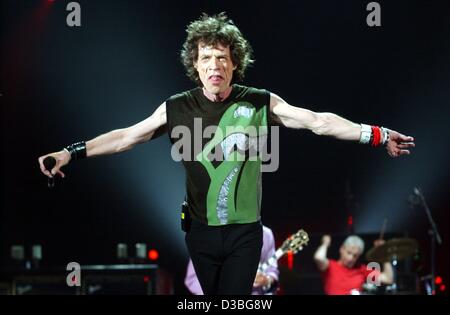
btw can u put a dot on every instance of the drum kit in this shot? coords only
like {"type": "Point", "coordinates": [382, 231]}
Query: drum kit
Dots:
{"type": "Point", "coordinates": [398, 249]}
{"type": "Point", "coordinates": [393, 251]}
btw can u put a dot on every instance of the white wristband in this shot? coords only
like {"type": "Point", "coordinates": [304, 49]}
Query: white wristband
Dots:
{"type": "Point", "coordinates": [385, 132]}
{"type": "Point", "coordinates": [366, 132]}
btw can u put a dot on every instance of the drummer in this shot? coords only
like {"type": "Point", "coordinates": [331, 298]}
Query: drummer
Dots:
{"type": "Point", "coordinates": [346, 276]}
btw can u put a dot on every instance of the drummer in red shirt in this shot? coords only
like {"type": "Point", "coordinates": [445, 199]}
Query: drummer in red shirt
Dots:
{"type": "Point", "coordinates": [345, 276]}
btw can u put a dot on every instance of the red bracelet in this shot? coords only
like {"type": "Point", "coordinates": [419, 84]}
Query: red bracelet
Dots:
{"type": "Point", "coordinates": [376, 136]}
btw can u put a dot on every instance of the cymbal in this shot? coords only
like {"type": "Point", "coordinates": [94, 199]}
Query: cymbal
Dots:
{"type": "Point", "coordinates": [396, 248]}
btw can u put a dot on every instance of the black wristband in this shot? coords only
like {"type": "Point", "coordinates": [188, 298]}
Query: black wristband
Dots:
{"type": "Point", "coordinates": [77, 150]}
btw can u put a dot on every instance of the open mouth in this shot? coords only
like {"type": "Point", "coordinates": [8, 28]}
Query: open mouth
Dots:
{"type": "Point", "coordinates": [215, 78]}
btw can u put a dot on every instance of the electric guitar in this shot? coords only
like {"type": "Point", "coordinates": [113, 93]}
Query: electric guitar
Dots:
{"type": "Point", "coordinates": [293, 243]}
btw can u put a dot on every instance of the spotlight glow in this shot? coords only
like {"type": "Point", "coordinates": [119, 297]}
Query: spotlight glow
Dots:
{"type": "Point", "coordinates": [153, 254]}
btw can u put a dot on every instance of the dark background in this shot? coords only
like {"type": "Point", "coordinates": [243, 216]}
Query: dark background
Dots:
{"type": "Point", "coordinates": [63, 84]}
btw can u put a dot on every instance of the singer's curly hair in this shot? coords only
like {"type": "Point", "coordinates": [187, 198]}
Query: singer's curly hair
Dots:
{"type": "Point", "coordinates": [212, 30]}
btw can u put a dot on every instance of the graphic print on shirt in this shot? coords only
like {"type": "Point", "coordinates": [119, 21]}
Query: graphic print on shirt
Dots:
{"type": "Point", "coordinates": [239, 138]}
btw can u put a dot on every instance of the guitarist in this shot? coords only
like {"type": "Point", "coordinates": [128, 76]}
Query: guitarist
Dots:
{"type": "Point", "coordinates": [264, 283]}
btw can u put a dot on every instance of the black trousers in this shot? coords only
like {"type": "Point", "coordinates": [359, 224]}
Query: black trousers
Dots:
{"type": "Point", "coordinates": [225, 258]}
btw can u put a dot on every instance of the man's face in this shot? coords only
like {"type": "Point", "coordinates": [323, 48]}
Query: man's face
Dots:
{"type": "Point", "coordinates": [349, 255]}
{"type": "Point", "coordinates": [215, 67]}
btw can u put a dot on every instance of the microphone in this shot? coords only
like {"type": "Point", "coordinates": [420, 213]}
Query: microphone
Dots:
{"type": "Point", "coordinates": [417, 191]}
{"type": "Point", "coordinates": [416, 198]}
{"type": "Point", "coordinates": [49, 163]}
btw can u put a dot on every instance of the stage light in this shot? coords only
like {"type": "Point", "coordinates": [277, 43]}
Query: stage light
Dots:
{"type": "Point", "coordinates": [122, 251]}
{"type": "Point", "coordinates": [36, 252]}
{"type": "Point", "coordinates": [141, 249]}
{"type": "Point", "coordinates": [442, 287]}
{"type": "Point", "coordinates": [438, 280]}
{"type": "Point", "coordinates": [350, 221]}
{"type": "Point", "coordinates": [153, 254]}
{"type": "Point", "coordinates": [290, 260]}
{"type": "Point", "coordinates": [36, 255]}
{"type": "Point", "coordinates": [17, 252]}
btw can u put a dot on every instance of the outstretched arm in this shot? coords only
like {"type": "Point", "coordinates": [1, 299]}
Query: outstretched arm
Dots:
{"type": "Point", "coordinates": [115, 141]}
{"type": "Point", "coordinates": [329, 124]}
{"type": "Point", "coordinates": [120, 140]}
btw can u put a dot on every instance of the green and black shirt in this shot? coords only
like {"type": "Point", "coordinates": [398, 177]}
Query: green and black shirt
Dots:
{"type": "Point", "coordinates": [227, 189]}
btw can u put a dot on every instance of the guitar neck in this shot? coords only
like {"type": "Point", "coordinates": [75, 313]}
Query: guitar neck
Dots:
{"type": "Point", "coordinates": [271, 261]}
{"type": "Point", "coordinates": [293, 243]}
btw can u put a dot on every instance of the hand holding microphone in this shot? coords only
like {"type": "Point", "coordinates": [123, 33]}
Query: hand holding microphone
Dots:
{"type": "Point", "coordinates": [50, 165]}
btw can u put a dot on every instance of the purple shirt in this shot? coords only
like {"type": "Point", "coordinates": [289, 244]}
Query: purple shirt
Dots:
{"type": "Point", "coordinates": [267, 251]}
